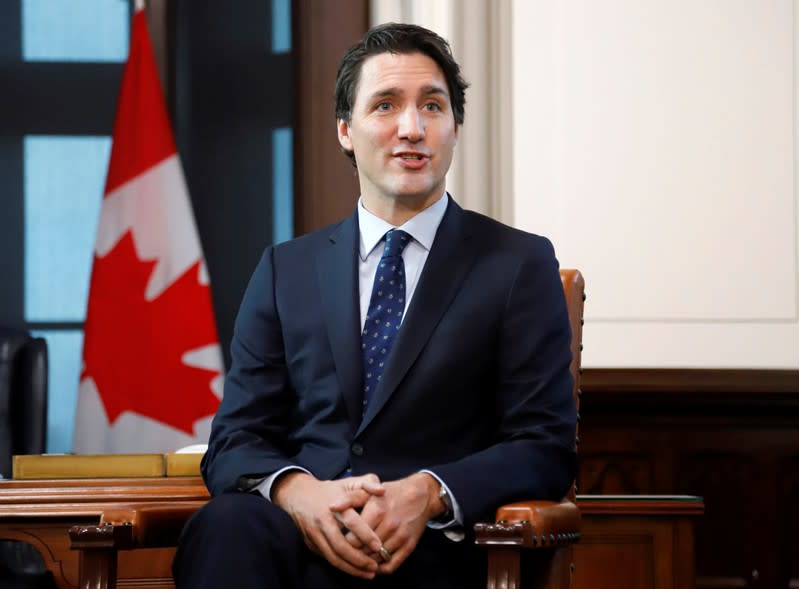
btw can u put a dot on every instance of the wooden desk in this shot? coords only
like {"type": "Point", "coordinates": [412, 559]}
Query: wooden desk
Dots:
{"type": "Point", "coordinates": [41, 512]}
{"type": "Point", "coordinates": [627, 542]}
{"type": "Point", "coordinates": [636, 542]}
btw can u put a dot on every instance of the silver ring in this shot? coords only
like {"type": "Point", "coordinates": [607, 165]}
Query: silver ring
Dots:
{"type": "Point", "coordinates": [384, 553]}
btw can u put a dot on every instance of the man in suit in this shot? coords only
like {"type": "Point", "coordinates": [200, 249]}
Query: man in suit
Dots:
{"type": "Point", "coordinates": [395, 377]}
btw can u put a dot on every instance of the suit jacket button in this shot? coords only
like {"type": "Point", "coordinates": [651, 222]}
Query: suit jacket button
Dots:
{"type": "Point", "coordinates": [357, 449]}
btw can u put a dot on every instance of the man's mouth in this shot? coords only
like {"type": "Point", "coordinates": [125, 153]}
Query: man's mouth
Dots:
{"type": "Point", "coordinates": [412, 161]}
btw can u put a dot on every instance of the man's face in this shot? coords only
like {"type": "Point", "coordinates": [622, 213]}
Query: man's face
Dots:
{"type": "Point", "coordinates": [402, 130]}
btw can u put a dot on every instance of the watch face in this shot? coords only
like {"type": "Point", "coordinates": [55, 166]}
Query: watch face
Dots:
{"type": "Point", "coordinates": [445, 499]}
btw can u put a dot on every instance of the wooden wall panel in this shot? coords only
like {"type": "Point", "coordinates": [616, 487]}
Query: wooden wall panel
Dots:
{"type": "Point", "coordinates": [325, 183]}
{"type": "Point", "coordinates": [728, 436]}
{"type": "Point", "coordinates": [788, 524]}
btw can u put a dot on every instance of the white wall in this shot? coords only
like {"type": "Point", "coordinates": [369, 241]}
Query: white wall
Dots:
{"type": "Point", "coordinates": [655, 142]}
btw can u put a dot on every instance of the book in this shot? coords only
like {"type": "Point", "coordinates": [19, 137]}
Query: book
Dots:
{"type": "Point", "coordinates": [87, 466]}
{"type": "Point", "coordinates": [183, 464]}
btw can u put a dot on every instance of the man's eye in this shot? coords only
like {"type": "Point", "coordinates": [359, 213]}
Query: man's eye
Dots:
{"type": "Point", "coordinates": [383, 106]}
{"type": "Point", "coordinates": [432, 106]}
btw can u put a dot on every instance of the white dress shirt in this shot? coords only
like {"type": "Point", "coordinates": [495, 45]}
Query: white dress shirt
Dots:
{"type": "Point", "coordinates": [422, 227]}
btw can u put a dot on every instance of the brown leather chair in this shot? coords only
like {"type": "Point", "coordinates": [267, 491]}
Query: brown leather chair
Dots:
{"type": "Point", "coordinates": [532, 538]}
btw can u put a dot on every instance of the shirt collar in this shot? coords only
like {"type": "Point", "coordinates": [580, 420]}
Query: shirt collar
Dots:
{"type": "Point", "coordinates": [421, 227]}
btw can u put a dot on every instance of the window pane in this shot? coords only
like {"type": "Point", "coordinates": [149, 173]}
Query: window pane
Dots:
{"type": "Point", "coordinates": [69, 30]}
{"type": "Point", "coordinates": [281, 26]}
{"type": "Point", "coordinates": [63, 191]}
{"type": "Point", "coordinates": [282, 190]}
{"type": "Point", "coordinates": [64, 364]}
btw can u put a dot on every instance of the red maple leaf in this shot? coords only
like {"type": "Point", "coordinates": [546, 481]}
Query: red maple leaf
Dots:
{"type": "Point", "coordinates": [133, 348]}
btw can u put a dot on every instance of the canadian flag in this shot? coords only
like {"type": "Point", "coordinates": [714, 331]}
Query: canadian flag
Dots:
{"type": "Point", "coordinates": [151, 374]}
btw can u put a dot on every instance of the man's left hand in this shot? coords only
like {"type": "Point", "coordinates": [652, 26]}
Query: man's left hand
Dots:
{"type": "Point", "coordinates": [399, 517]}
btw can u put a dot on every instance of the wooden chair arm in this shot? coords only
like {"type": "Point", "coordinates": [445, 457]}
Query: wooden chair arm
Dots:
{"type": "Point", "coordinates": [532, 524]}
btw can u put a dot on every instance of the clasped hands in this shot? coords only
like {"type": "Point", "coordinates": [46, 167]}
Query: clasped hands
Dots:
{"type": "Point", "coordinates": [355, 523]}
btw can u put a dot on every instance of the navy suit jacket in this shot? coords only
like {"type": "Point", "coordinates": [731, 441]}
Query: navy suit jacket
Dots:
{"type": "Point", "coordinates": [477, 388]}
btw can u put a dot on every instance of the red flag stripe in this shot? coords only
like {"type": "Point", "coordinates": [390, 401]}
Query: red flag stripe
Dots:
{"type": "Point", "coordinates": [142, 132]}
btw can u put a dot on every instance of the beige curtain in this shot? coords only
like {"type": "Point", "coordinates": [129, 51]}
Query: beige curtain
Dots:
{"type": "Point", "coordinates": [481, 177]}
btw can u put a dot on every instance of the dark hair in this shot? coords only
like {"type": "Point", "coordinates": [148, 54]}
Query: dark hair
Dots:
{"type": "Point", "coordinates": [404, 39]}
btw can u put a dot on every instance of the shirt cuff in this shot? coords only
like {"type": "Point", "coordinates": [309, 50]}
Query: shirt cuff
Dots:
{"type": "Point", "coordinates": [453, 529]}
{"type": "Point", "coordinates": [265, 486]}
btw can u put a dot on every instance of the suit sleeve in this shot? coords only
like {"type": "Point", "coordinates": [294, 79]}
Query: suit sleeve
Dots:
{"type": "Point", "coordinates": [531, 455]}
{"type": "Point", "coordinates": [249, 438]}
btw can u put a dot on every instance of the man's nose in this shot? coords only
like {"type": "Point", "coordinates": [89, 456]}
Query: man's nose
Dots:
{"type": "Point", "coordinates": [411, 125]}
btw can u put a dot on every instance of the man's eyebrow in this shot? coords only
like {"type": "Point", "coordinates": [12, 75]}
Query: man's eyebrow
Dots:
{"type": "Point", "coordinates": [433, 89]}
{"type": "Point", "coordinates": [385, 93]}
{"type": "Point", "coordinates": [429, 90]}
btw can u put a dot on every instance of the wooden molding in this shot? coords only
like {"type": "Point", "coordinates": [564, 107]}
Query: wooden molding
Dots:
{"type": "Point", "coordinates": [646, 505]}
{"type": "Point", "coordinates": [690, 380]}
{"type": "Point", "coordinates": [91, 497]}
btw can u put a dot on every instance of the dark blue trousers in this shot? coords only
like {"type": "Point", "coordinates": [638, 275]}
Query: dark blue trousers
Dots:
{"type": "Point", "coordinates": [241, 540]}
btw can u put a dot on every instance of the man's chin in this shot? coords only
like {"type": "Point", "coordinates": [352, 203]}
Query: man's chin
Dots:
{"type": "Point", "coordinates": [417, 193]}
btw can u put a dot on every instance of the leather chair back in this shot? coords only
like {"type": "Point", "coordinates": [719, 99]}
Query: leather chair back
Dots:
{"type": "Point", "coordinates": [23, 396]}
{"type": "Point", "coordinates": [574, 290]}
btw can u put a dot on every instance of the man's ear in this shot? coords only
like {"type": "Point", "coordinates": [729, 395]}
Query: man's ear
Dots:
{"type": "Point", "coordinates": [344, 138]}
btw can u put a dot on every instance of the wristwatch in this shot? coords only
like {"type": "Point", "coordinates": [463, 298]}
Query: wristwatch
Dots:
{"type": "Point", "coordinates": [448, 514]}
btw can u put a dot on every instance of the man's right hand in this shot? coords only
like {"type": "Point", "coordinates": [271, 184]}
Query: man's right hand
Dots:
{"type": "Point", "coordinates": [308, 500]}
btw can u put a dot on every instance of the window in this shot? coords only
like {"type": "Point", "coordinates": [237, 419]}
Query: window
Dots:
{"type": "Point", "coordinates": [64, 61]}
{"type": "Point", "coordinates": [63, 187]}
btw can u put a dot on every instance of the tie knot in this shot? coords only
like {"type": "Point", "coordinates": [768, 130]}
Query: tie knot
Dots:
{"type": "Point", "coordinates": [396, 240]}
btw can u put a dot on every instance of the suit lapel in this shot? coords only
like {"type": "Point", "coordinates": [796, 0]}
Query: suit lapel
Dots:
{"type": "Point", "coordinates": [337, 267]}
{"type": "Point", "coordinates": [449, 261]}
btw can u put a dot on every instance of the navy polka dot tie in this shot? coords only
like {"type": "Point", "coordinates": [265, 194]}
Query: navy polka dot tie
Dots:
{"type": "Point", "coordinates": [385, 312]}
